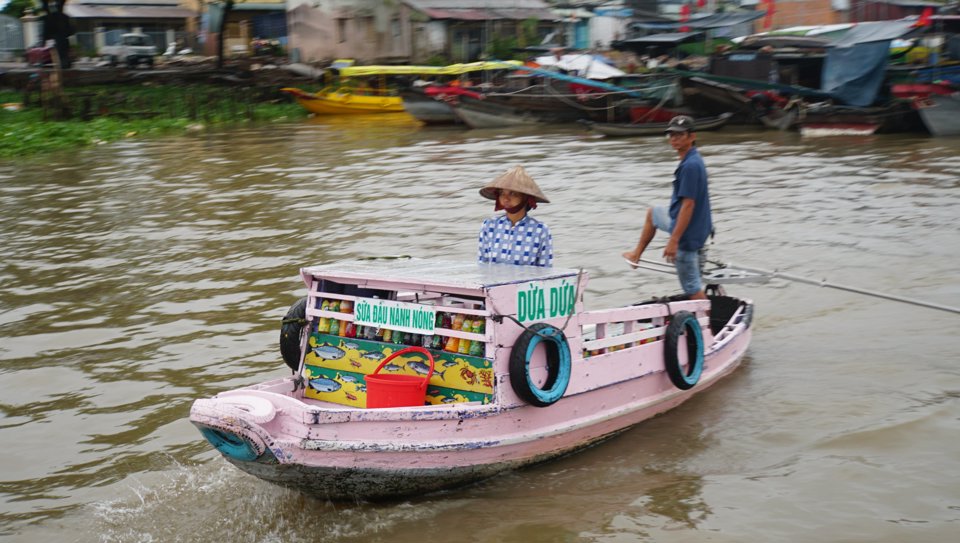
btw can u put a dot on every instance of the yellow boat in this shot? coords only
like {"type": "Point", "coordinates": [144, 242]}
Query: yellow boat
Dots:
{"type": "Point", "coordinates": [346, 98]}
{"type": "Point", "coordinates": [345, 101]}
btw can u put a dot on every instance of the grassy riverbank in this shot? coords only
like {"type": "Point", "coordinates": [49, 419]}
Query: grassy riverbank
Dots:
{"type": "Point", "coordinates": [99, 115]}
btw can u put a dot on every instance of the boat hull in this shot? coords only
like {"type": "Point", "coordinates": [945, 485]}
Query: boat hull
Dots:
{"type": "Point", "coordinates": [655, 129]}
{"type": "Point", "coordinates": [428, 109]}
{"type": "Point", "coordinates": [941, 114]}
{"type": "Point", "coordinates": [838, 120]}
{"type": "Point", "coordinates": [381, 483]}
{"type": "Point", "coordinates": [345, 103]}
{"type": "Point", "coordinates": [525, 109]}
{"type": "Point", "coordinates": [367, 461]}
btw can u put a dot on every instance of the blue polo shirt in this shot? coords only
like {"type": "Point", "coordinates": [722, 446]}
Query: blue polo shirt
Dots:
{"type": "Point", "coordinates": [690, 181]}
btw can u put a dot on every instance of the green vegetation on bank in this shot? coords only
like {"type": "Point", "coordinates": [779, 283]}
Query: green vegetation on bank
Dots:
{"type": "Point", "coordinates": [98, 115]}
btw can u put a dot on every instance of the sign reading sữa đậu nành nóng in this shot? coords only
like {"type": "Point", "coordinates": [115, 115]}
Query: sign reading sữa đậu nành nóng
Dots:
{"type": "Point", "coordinates": [541, 300]}
{"type": "Point", "coordinates": [402, 316]}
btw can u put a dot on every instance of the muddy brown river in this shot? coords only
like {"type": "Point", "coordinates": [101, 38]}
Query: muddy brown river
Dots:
{"type": "Point", "coordinates": [138, 277]}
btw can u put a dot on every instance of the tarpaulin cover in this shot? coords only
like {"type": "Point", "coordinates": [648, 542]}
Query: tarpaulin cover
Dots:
{"type": "Point", "coordinates": [857, 61]}
{"type": "Point", "coordinates": [884, 31]}
{"type": "Point", "coordinates": [584, 65]}
{"type": "Point", "coordinates": [853, 75]}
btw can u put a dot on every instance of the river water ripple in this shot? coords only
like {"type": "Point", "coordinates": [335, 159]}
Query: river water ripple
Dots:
{"type": "Point", "coordinates": [139, 277]}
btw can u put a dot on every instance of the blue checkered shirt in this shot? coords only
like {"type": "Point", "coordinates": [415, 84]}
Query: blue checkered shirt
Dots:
{"type": "Point", "coordinates": [528, 243]}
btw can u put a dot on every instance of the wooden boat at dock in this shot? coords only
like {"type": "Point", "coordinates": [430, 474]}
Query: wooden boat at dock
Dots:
{"type": "Point", "coordinates": [431, 104]}
{"type": "Point", "coordinates": [826, 119]}
{"type": "Point", "coordinates": [940, 113]}
{"type": "Point", "coordinates": [345, 102]}
{"type": "Point", "coordinates": [654, 129]}
{"type": "Point", "coordinates": [352, 93]}
{"type": "Point", "coordinates": [512, 371]}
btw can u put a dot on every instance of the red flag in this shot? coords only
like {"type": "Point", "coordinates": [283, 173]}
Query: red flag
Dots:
{"type": "Point", "coordinates": [924, 19]}
{"type": "Point", "coordinates": [771, 9]}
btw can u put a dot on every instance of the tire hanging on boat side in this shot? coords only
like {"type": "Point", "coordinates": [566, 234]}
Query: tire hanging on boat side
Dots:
{"type": "Point", "coordinates": [684, 320]}
{"type": "Point", "coordinates": [290, 332]}
{"type": "Point", "coordinates": [558, 365]}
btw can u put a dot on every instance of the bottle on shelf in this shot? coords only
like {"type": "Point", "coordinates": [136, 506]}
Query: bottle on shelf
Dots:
{"type": "Point", "coordinates": [476, 346]}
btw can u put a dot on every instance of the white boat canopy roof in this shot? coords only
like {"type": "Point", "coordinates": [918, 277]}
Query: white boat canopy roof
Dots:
{"type": "Point", "coordinates": [441, 273]}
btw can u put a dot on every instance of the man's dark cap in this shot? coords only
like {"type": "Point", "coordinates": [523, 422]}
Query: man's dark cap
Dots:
{"type": "Point", "coordinates": [681, 123]}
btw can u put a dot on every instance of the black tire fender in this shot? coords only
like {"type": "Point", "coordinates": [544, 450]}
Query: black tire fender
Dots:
{"type": "Point", "coordinates": [291, 332]}
{"type": "Point", "coordinates": [558, 365]}
{"type": "Point", "coordinates": [683, 321]}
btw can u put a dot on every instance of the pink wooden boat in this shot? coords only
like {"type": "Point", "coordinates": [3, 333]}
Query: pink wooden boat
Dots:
{"type": "Point", "coordinates": [517, 373]}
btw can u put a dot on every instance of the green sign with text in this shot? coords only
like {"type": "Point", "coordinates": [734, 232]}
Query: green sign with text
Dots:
{"type": "Point", "coordinates": [402, 316]}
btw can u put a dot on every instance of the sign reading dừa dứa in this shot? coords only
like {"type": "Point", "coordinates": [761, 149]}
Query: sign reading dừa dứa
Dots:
{"type": "Point", "coordinates": [541, 300]}
{"type": "Point", "coordinates": [402, 316]}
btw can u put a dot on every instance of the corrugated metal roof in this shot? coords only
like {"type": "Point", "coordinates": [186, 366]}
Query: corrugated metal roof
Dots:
{"type": "Point", "coordinates": [478, 4]}
{"type": "Point", "coordinates": [81, 11]}
{"type": "Point", "coordinates": [483, 10]}
{"type": "Point", "coordinates": [670, 38]}
{"type": "Point", "coordinates": [258, 6]}
{"type": "Point", "coordinates": [487, 14]}
{"type": "Point", "coordinates": [706, 22]}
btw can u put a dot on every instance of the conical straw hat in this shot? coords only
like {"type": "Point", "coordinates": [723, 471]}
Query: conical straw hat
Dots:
{"type": "Point", "coordinates": [516, 179]}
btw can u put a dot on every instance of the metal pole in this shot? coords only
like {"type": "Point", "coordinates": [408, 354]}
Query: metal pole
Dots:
{"type": "Point", "coordinates": [825, 283]}
{"type": "Point", "coordinates": [653, 265]}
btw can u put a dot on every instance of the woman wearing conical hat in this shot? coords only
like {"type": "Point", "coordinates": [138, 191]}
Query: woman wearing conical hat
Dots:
{"type": "Point", "coordinates": [515, 237]}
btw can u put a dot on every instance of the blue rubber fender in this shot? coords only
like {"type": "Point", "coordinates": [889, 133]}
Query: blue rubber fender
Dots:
{"type": "Point", "coordinates": [684, 321]}
{"type": "Point", "coordinates": [558, 365]}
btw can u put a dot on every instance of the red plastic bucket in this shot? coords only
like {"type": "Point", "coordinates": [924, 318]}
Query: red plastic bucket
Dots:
{"type": "Point", "coordinates": [398, 390]}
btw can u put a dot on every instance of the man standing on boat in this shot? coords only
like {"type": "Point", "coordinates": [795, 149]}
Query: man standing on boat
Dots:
{"type": "Point", "coordinates": [515, 237]}
{"type": "Point", "coordinates": [688, 219]}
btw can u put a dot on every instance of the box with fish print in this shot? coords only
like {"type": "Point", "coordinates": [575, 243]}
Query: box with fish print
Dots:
{"type": "Point", "coordinates": [349, 388]}
{"type": "Point", "coordinates": [456, 377]}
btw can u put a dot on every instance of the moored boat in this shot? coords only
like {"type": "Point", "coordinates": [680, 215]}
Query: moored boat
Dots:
{"type": "Point", "coordinates": [353, 93]}
{"type": "Point", "coordinates": [654, 129]}
{"type": "Point", "coordinates": [489, 112]}
{"type": "Point", "coordinates": [345, 102]}
{"type": "Point", "coordinates": [511, 370]}
{"type": "Point", "coordinates": [431, 104]}
{"type": "Point", "coordinates": [940, 113]}
{"type": "Point", "coordinates": [826, 119]}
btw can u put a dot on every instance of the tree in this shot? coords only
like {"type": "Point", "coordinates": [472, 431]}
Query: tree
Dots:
{"type": "Point", "coordinates": [218, 25]}
{"type": "Point", "coordinates": [57, 27]}
{"type": "Point", "coordinates": [16, 8]}
{"type": "Point", "coordinates": [227, 8]}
